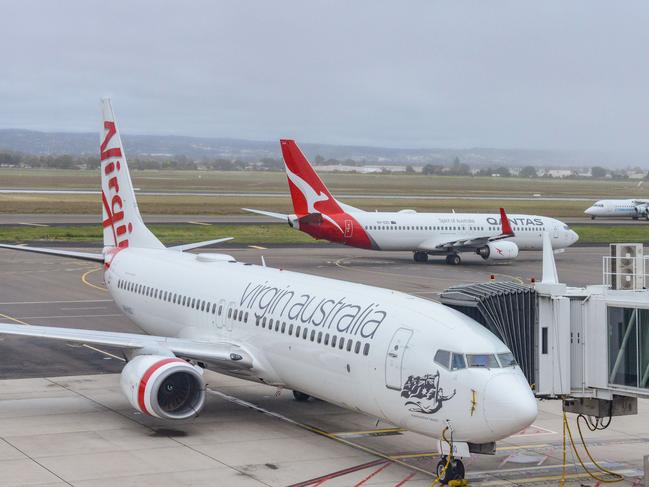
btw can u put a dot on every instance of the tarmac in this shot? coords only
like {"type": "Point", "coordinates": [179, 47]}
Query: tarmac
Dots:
{"type": "Point", "coordinates": [64, 420]}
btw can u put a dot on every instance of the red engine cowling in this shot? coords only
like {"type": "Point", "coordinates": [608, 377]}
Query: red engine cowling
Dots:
{"type": "Point", "coordinates": [164, 387]}
{"type": "Point", "coordinates": [503, 250]}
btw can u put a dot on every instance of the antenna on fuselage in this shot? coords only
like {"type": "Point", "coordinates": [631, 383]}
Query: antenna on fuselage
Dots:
{"type": "Point", "coordinates": [263, 261]}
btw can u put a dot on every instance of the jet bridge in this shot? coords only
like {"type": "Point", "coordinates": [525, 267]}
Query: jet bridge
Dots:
{"type": "Point", "coordinates": [586, 345]}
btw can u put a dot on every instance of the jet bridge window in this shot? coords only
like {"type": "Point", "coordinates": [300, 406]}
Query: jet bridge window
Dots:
{"type": "Point", "coordinates": [628, 347]}
{"type": "Point", "coordinates": [487, 361]}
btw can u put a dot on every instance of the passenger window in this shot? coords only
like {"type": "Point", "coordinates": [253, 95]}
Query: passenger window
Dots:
{"type": "Point", "coordinates": [312, 335]}
{"type": "Point", "coordinates": [213, 308]}
{"type": "Point", "coordinates": [245, 317]}
{"type": "Point", "coordinates": [319, 337]}
{"type": "Point", "coordinates": [220, 309]}
{"type": "Point", "coordinates": [270, 324]}
{"type": "Point", "coordinates": [290, 329]}
{"type": "Point", "coordinates": [283, 326]}
{"type": "Point", "coordinates": [276, 325]}
{"type": "Point", "coordinates": [230, 313]}
{"type": "Point", "coordinates": [457, 361]}
{"type": "Point", "coordinates": [305, 331]}
{"type": "Point", "coordinates": [297, 331]}
{"type": "Point", "coordinates": [326, 342]}
{"type": "Point", "coordinates": [357, 348]}
{"type": "Point", "coordinates": [341, 343]}
{"type": "Point", "coordinates": [443, 357]}
{"type": "Point", "coordinates": [366, 349]}
{"type": "Point", "coordinates": [333, 341]}
{"type": "Point", "coordinates": [202, 305]}
{"type": "Point", "coordinates": [257, 320]}
{"type": "Point", "coordinates": [263, 322]}
{"type": "Point", "coordinates": [350, 343]}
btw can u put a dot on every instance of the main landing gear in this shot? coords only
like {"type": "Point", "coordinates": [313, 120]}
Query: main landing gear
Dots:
{"type": "Point", "coordinates": [300, 396]}
{"type": "Point", "coordinates": [420, 256]}
{"type": "Point", "coordinates": [453, 259]}
{"type": "Point", "coordinates": [454, 471]}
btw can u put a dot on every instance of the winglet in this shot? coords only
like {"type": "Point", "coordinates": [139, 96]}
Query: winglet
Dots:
{"type": "Point", "coordinates": [506, 226]}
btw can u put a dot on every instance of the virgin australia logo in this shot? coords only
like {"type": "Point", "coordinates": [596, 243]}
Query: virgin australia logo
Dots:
{"type": "Point", "coordinates": [424, 393]}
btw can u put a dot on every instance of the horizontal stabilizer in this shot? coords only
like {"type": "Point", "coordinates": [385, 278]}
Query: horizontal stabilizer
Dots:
{"type": "Point", "coordinates": [279, 216]}
{"type": "Point", "coordinates": [196, 245]}
{"type": "Point", "coordinates": [60, 253]}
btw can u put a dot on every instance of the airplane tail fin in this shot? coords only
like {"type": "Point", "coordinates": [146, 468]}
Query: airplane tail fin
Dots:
{"type": "Point", "coordinates": [308, 192]}
{"type": "Point", "coordinates": [123, 225]}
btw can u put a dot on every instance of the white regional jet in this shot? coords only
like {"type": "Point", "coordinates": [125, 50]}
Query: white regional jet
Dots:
{"type": "Point", "coordinates": [321, 215]}
{"type": "Point", "coordinates": [634, 208]}
{"type": "Point", "coordinates": [412, 362]}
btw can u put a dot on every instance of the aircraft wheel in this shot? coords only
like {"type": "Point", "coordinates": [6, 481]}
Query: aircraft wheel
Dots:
{"type": "Point", "coordinates": [634, 218]}
{"type": "Point", "coordinates": [300, 396]}
{"type": "Point", "coordinates": [592, 217]}
{"type": "Point", "coordinates": [455, 470]}
{"type": "Point", "coordinates": [453, 259]}
{"type": "Point", "coordinates": [420, 256]}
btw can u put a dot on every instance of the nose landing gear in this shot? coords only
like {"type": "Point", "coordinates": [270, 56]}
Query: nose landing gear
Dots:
{"type": "Point", "coordinates": [450, 473]}
{"type": "Point", "coordinates": [420, 256]}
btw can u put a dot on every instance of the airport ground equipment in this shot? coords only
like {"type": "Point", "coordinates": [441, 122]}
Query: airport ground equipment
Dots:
{"type": "Point", "coordinates": [587, 346]}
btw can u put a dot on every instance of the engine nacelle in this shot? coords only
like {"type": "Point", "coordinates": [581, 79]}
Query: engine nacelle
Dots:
{"type": "Point", "coordinates": [641, 210]}
{"type": "Point", "coordinates": [503, 250]}
{"type": "Point", "coordinates": [164, 387]}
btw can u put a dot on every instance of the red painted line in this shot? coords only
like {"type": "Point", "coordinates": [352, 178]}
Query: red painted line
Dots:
{"type": "Point", "coordinates": [321, 480]}
{"type": "Point", "coordinates": [376, 472]}
{"type": "Point", "coordinates": [406, 479]}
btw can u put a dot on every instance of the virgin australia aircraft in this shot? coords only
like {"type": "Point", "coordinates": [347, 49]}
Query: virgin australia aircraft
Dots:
{"type": "Point", "coordinates": [321, 215]}
{"type": "Point", "coordinates": [635, 208]}
{"type": "Point", "coordinates": [409, 361]}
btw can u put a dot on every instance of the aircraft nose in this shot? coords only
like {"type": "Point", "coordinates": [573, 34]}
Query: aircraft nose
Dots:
{"type": "Point", "coordinates": [574, 237]}
{"type": "Point", "coordinates": [509, 405]}
{"type": "Point", "coordinates": [589, 211]}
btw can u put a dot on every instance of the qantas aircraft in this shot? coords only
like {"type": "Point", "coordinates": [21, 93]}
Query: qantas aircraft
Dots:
{"type": "Point", "coordinates": [635, 208]}
{"type": "Point", "coordinates": [321, 215]}
{"type": "Point", "coordinates": [412, 362]}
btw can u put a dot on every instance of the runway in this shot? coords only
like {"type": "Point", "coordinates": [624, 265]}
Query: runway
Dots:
{"type": "Point", "coordinates": [64, 420]}
{"type": "Point", "coordinates": [7, 219]}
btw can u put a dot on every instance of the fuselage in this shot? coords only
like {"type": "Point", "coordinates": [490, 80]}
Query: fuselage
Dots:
{"type": "Point", "coordinates": [409, 230]}
{"type": "Point", "coordinates": [618, 208]}
{"type": "Point", "coordinates": [364, 348]}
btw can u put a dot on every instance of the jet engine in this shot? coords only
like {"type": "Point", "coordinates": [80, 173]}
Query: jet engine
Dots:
{"type": "Point", "coordinates": [641, 211]}
{"type": "Point", "coordinates": [164, 387]}
{"type": "Point", "coordinates": [498, 251]}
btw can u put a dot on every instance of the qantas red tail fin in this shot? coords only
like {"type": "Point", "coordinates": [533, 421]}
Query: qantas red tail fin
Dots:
{"type": "Point", "coordinates": [308, 192]}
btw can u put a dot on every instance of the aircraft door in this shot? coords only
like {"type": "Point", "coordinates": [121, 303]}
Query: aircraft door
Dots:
{"type": "Point", "coordinates": [394, 358]}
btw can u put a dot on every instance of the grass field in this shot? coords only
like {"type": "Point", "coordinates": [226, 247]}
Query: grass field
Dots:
{"type": "Point", "coordinates": [340, 183]}
{"type": "Point", "coordinates": [267, 234]}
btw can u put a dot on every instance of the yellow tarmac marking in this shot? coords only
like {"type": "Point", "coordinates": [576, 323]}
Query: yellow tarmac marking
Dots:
{"type": "Point", "coordinates": [369, 432]}
{"type": "Point", "coordinates": [504, 448]}
{"type": "Point", "coordinates": [200, 223]}
{"type": "Point", "coordinates": [33, 224]}
{"type": "Point", "coordinates": [84, 278]}
{"type": "Point", "coordinates": [14, 319]}
{"type": "Point", "coordinates": [258, 247]}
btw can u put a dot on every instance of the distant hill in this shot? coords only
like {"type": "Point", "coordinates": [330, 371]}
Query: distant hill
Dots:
{"type": "Point", "coordinates": [56, 143]}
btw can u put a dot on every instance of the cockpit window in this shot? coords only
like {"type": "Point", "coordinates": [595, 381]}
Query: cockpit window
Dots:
{"type": "Point", "coordinates": [566, 227]}
{"type": "Point", "coordinates": [457, 361]}
{"type": "Point", "coordinates": [482, 360]}
{"type": "Point", "coordinates": [507, 359]}
{"type": "Point", "coordinates": [443, 357]}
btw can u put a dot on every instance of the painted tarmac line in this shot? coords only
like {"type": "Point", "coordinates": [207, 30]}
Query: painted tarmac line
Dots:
{"type": "Point", "coordinates": [55, 317]}
{"type": "Point", "coordinates": [200, 223]}
{"type": "Point", "coordinates": [258, 247]}
{"type": "Point", "coordinates": [84, 279]}
{"type": "Point", "coordinates": [33, 224]}
{"type": "Point", "coordinates": [339, 473]}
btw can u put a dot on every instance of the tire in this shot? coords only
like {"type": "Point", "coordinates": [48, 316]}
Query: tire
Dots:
{"type": "Point", "coordinates": [592, 217]}
{"type": "Point", "coordinates": [454, 259]}
{"type": "Point", "coordinates": [420, 256]}
{"type": "Point", "coordinates": [300, 396]}
{"type": "Point", "coordinates": [443, 479]}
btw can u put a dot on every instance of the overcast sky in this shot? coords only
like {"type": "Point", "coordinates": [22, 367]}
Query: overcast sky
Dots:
{"type": "Point", "coordinates": [508, 74]}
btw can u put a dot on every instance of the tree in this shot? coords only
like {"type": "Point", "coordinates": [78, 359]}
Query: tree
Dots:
{"type": "Point", "coordinates": [410, 169]}
{"type": "Point", "coordinates": [502, 171]}
{"type": "Point", "coordinates": [598, 172]}
{"type": "Point", "coordinates": [431, 169]}
{"type": "Point", "coordinates": [528, 172]}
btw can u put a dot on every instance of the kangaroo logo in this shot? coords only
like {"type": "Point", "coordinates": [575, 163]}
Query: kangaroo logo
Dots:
{"type": "Point", "coordinates": [311, 196]}
{"type": "Point", "coordinates": [424, 393]}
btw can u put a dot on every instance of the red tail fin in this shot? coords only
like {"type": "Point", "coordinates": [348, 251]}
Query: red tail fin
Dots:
{"type": "Point", "coordinates": [308, 192]}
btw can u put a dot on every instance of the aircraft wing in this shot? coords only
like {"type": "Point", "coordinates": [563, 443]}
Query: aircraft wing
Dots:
{"type": "Point", "coordinates": [221, 354]}
{"type": "Point", "coordinates": [440, 243]}
{"type": "Point", "coordinates": [195, 245]}
{"type": "Point", "coordinates": [61, 253]}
